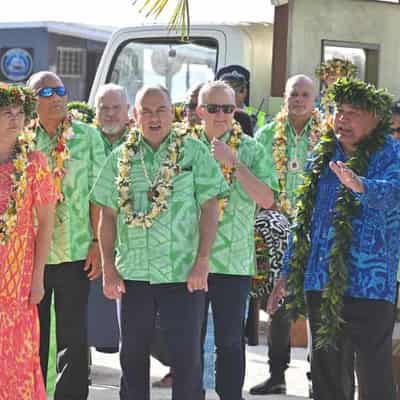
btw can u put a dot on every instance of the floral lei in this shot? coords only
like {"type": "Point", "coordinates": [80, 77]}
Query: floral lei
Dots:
{"type": "Point", "coordinates": [347, 207]}
{"type": "Point", "coordinates": [234, 143]}
{"type": "Point", "coordinates": [161, 190]}
{"type": "Point", "coordinates": [60, 153]}
{"type": "Point", "coordinates": [280, 156]}
{"type": "Point", "coordinates": [8, 219]}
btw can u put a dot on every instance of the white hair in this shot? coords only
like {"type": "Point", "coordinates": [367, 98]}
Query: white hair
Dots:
{"type": "Point", "coordinates": [149, 89]}
{"type": "Point", "coordinates": [293, 80]}
{"type": "Point", "coordinates": [214, 85]}
{"type": "Point", "coordinates": [110, 87]}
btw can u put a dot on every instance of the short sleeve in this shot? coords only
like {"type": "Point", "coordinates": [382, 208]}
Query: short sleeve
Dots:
{"type": "Point", "coordinates": [208, 179]}
{"type": "Point", "coordinates": [104, 191]}
{"type": "Point", "coordinates": [43, 188]}
{"type": "Point", "coordinates": [262, 166]}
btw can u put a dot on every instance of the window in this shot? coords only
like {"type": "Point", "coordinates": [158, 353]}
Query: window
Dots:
{"type": "Point", "coordinates": [70, 62]}
{"type": "Point", "coordinates": [176, 65]}
{"type": "Point", "coordinates": [365, 56]}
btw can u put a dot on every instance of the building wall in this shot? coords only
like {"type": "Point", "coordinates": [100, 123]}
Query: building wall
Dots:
{"type": "Point", "coordinates": [36, 39]}
{"type": "Point", "coordinates": [312, 21]}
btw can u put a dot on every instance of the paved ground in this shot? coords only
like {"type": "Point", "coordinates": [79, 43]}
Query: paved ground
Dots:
{"type": "Point", "coordinates": [106, 373]}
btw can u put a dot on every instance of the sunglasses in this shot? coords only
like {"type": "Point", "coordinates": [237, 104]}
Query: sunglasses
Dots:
{"type": "Point", "coordinates": [190, 106]}
{"type": "Point", "coordinates": [214, 108]}
{"type": "Point", "coordinates": [395, 130]}
{"type": "Point", "coordinates": [60, 91]}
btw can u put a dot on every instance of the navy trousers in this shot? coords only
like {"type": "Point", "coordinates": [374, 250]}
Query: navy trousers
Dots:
{"type": "Point", "coordinates": [181, 316]}
{"type": "Point", "coordinates": [228, 295]}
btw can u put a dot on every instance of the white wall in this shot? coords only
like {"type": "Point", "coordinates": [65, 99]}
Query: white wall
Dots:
{"type": "Point", "coordinates": [345, 20]}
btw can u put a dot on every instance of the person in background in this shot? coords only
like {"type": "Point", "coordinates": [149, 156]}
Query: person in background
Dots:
{"type": "Point", "coordinates": [238, 78]}
{"type": "Point", "coordinates": [289, 138]}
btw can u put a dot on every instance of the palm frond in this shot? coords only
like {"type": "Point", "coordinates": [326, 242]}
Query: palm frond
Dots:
{"type": "Point", "coordinates": [180, 18]}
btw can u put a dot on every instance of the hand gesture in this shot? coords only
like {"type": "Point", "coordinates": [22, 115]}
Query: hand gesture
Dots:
{"type": "Point", "coordinates": [223, 153]}
{"type": "Point", "coordinates": [346, 176]}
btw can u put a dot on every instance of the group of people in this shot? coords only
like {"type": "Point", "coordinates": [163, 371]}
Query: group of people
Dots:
{"type": "Point", "coordinates": [165, 211]}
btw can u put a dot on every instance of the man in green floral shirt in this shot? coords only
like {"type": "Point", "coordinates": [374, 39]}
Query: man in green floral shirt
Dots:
{"type": "Point", "coordinates": [288, 139]}
{"type": "Point", "coordinates": [159, 213]}
{"type": "Point", "coordinates": [112, 122]}
{"type": "Point", "coordinates": [75, 155]}
{"type": "Point", "coordinates": [112, 115]}
{"type": "Point", "coordinates": [247, 169]}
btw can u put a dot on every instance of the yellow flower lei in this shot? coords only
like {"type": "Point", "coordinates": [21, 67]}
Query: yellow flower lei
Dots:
{"type": "Point", "coordinates": [234, 143]}
{"type": "Point", "coordinates": [60, 153]}
{"type": "Point", "coordinates": [280, 156]}
{"type": "Point", "coordinates": [8, 219]}
{"type": "Point", "coordinates": [162, 188]}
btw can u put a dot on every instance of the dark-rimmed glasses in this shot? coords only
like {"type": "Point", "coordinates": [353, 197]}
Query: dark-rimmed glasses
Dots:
{"type": "Point", "coordinates": [48, 91]}
{"type": "Point", "coordinates": [214, 108]}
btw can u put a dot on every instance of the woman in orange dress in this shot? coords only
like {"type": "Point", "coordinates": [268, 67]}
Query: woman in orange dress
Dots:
{"type": "Point", "coordinates": [27, 203]}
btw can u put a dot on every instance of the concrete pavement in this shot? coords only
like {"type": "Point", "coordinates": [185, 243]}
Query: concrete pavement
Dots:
{"type": "Point", "coordinates": [106, 373]}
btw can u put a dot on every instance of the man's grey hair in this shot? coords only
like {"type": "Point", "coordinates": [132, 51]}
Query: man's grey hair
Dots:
{"type": "Point", "coordinates": [144, 90]}
{"type": "Point", "coordinates": [211, 86]}
{"type": "Point", "coordinates": [293, 80]}
{"type": "Point", "coordinates": [110, 87]}
{"type": "Point", "coordinates": [35, 81]}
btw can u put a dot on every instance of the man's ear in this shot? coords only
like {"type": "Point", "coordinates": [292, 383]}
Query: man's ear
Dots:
{"type": "Point", "coordinates": [200, 112]}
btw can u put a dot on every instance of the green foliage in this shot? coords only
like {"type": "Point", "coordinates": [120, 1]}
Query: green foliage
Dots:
{"type": "Point", "coordinates": [81, 111]}
{"type": "Point", "coordinates": [347, 207]}
{"type": "Point", "coordinates": [363, 95]}
{"type": "Point", "coordinates": [180, 15]}
{"type": "Point", "coordinates": [20, 96]}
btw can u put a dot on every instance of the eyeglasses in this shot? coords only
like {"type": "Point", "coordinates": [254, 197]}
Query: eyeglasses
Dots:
{"type": "Point", "coordinates": [214, 108]}
{"type": "Point", "coordinates": [191, 106]}
{"type": "Point", "coordinates": [395, 130]}
{"type": "Point", "coordinates": [61, 91]}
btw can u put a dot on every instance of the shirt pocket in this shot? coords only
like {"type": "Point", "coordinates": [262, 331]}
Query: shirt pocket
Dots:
{"type": "Point", "coordinates": [77, 176]}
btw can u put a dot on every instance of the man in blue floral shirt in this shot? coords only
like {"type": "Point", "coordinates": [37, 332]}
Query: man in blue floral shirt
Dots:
{"type": "Point", "coordinates": [344, 250]}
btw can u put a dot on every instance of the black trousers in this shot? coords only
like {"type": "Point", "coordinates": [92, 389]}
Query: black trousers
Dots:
{"type": "Point", "coordinates": [228, 295]}
{"type": "Point", "coordinates": [279, 344]}
{"type": "Point", "coordinates": [181, 317]}
{"type": "Point", "coordinates": [70, 285]}
{"type": "Point", "coordinates": [367, 332]}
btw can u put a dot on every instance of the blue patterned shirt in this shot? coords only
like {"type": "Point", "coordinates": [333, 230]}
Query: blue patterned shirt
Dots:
{"type": "Point", "coordinates": [375, 245]}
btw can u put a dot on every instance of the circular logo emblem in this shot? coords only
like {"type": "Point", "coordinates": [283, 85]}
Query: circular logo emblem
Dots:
{"type": "Point", "coordinates": [16, 64]}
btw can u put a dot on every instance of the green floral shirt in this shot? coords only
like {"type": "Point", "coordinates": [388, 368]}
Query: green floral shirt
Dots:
{"type": "Point", "coordinates": [108, 146]}
{"type": "Point", "coordinates": [165, 252]}
{"type": "Point", "coordinates": [297, 147]}
{"type": "Point", "coordinates": [233, 249]}
{"type": "Point", "coordinates": [72, 235]}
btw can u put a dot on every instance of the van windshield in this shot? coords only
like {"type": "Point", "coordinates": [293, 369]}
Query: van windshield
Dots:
{"type": "Point", "coordinates": [176, 65]}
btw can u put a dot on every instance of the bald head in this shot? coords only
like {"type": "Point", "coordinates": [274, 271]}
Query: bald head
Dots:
{"type": "Point", "coordinates": [40, 79]}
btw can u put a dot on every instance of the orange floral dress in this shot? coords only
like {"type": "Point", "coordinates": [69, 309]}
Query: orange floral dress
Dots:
{"type": "Point", "coordinates": [20, 373]}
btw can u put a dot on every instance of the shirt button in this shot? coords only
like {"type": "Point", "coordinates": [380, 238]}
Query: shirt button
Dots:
{"type": "Point", "coordinates": [321, 258]}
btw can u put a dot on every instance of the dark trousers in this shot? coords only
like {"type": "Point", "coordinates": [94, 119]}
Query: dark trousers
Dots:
{"type": "Point", "coordinates": [228, 295]}
{"type": "Point", "coordinates": [70, 285]}
{"type": "Point", "coordinates": [279, 344]}
{"type": "Point", "coordinates": [367, 332]}
{"type": "Point", "coordinates": [181, 317]}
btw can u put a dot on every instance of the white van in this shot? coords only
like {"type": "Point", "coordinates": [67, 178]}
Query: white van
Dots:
{"type": "Point", "coordinates": [150, 54]}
